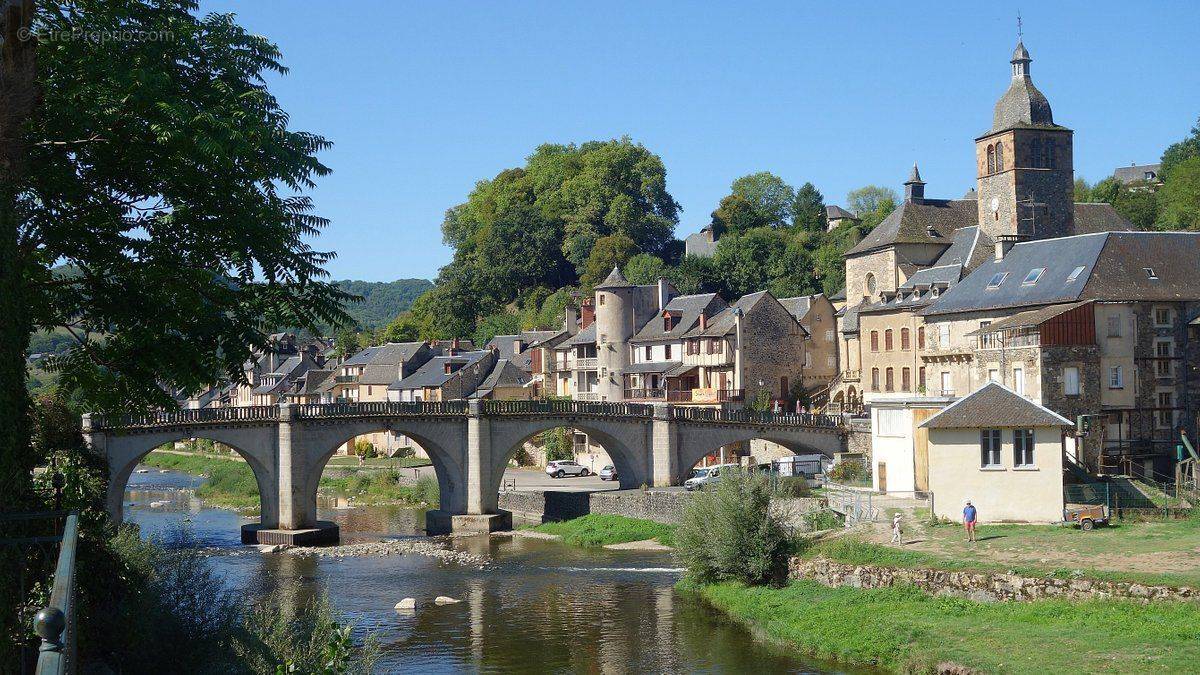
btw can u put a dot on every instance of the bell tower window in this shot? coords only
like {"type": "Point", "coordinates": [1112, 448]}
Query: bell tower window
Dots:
{"type": "Point", "coordinates": [871, 285]}
{"type": "Point", "coordinates": [999, 157]}
{"type": "Point", "coordinates": [991, 159]}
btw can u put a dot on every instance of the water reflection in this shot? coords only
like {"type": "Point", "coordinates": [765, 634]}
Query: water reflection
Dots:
{"type": "Point", "coordinates": [541, 607]}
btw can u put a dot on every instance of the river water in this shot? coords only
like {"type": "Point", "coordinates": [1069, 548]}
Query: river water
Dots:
{"type": "Point", "coordinates": [540, 606]}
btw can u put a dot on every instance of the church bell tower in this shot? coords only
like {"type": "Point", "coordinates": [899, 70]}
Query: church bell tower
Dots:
{"type": "Point", "coordinates": [1024, 166]}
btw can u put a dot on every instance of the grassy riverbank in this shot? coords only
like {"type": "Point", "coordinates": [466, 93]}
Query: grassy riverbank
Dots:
{"type": "Point", "coordinates": [597, 529]}
{"type": "Point", "coordinates": [902, 628]}
{"type": "Point", "coordinates": [230, 482]}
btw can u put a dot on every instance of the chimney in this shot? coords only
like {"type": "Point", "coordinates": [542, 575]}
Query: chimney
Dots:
{"type": "Point", "coordinates": [665, 291]}
{"type": "Point", "coordinates": [703, 321]}
{"type": "Point", "coordinates": [518, 346]}
{"type": "Point", "coordinates": [454, 347]}
{"type": "Point", "coordinates": [571, 319]}
{"type": "Point", "coordinates": [1003, 244]}
{"type": "Point", "coordinates": [587, 313]}
{"type": "Point", "coordinates": [914, 187]}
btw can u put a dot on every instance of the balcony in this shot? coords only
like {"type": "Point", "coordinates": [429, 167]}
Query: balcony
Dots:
{"type": "Point", "coordinates": [587, 396]}
{"type": "Point", "coordinates": [592, 363]}
{"type": "Point", "coordinates": [651, 394]}
{"type": "Point", "coordinates": [345, 379]}
{"type": "Point", "coordinates": [707, 395]}
{"type": "Point", "coordinates": [851, 375]}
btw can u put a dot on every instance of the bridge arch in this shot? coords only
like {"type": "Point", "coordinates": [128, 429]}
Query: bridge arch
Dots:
{"type": "Point", "coordinates": [442, 442]}
{"type": "Point", "coordinates": [697, 443]}
{"type": "Point", "coordinates": [257, 446]}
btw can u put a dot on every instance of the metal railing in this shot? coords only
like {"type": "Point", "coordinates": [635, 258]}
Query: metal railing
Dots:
{"type": "Point", "coordinates": [383, 408]}
{"type": "Point", "coordinates": [652, 393]}
{"type": "Point", "coordinates": [252, 413]}
{"type": "Point", "coordinates": [591, 363]}
{"type": "Point", "coordinates": [568, 407]}
{"type": "Point", "coordinates": [55, 624]}
{"type": "Point", "coordinates": [754, 417]}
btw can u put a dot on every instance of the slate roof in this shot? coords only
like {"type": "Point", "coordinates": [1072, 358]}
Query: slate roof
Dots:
{"type": "Point", "coordinates": [849, 316]}
{"type": "Point", "coordinates": [839, 296]}
{"type": "Point", "coordinates": [587, 336]}
{"type": "Point", "coordinates": [614, 280]}
{"type": "Point", "coordinates": [503, 344]}
{"type": "Point", "coordinates": [995, 406]}
{"type": "Point", "coordinates": [1137, 172]}
{"type": "Point", "coordinates": [686, 309]}
{"type": "Point", "coordinates": [314, 380]}
{"type": "Point", "coordinates": [1113, 269]}
{"type": "Point", "coordinates": [798, 306]}
{"type": "Point", "coordinates": [1032, 317]}
{"type": "Point", "coordinates": [910, 223]}
{"type": "Point", "coordinates": [392, 353]}
{"type": "Point", "coordinates": [834, 212]}
{"type": "Point", "coordinates": [504, 374]}
{"type": "Point", "coordinates": [723, 322]}
{"type": "Point", "coordinates": [963, 243]}
{"type": "Point", "coordinates": [697, 244]}
{"type": "Point", "coordinates": [433, 373]}
{"type": "Point", "coordinates": [942, 274]}
{"type": "Point", "coordinates": [1091, 217]}
{"type": "Point", "coordinates": [379, 373]}
{"type": "Point", "coordinates": [1022, 104]}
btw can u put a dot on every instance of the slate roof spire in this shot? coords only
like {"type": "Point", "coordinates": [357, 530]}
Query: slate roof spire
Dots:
{"type": "Point", "coordinates": [614, 280]}
{"type": "Point", "coordinates": [1022, 104]}
{"type": "Point", "coordinates": [914, 187]}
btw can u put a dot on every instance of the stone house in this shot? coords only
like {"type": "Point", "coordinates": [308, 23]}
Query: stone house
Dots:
{"type": "Point", "coordinates": [818, 317]}
{"type": "Point", "coordinates": [1002, 452]}
{"type": "Point", "coordinates": [656, 371]}
{"type": "Point", "coordinates": [445, 378]}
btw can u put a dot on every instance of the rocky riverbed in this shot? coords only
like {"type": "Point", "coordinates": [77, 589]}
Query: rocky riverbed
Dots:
{"type": "Point", "coordinates": [431, 548]}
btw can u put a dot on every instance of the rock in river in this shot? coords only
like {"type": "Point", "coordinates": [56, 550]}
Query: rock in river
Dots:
{"type": "Point", "coordinates": [445, 600]}
{"type": "Point", "coordinates": [407, 603]}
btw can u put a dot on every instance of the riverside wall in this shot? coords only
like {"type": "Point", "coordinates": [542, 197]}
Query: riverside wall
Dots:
{"type": "Point", "coordinates": [661, 506]}
{"type": "Point", "coordinates": [980, 586]}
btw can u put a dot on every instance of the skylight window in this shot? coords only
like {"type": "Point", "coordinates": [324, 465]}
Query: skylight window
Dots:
{"type": "Point", "coordinates": [1075, 273]}
{"type": "Point", "coordinates": [1033, 276]}
{"type": "Point", "coordinates": [997, 279]}
{"type": "Point", "coordinates": [1150, 273]}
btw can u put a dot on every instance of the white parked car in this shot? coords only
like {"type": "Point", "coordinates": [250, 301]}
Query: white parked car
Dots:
{"type": "Point", "coordinates": [705, 476]}
{"type": "Point", "coordinates": [609, 472]}
{"type": "Point", "coordinates": [566, 467]}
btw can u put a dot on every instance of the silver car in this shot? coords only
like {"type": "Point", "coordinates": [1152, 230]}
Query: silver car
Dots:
{"type": "Point", "coordinates": [566, 467]}
{"type": "Point", "coordinates": [609, 472]}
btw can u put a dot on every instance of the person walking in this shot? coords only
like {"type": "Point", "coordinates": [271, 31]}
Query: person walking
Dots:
{"type": "Point", "coordinates": [896, 529]}
{"type": "Point", "coordinates": [970, 515]}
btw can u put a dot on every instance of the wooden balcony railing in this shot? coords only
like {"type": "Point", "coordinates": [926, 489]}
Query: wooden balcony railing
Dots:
{"type": "Point", "coordinates": [650, 394]}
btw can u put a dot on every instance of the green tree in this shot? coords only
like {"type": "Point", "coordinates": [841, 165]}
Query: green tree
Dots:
{"type": "Point", "coordinates": [643, 269]}
{"type": "Point", "coordinates": [1177, 153]}
{"type": "Point", "coordinates": [1083, 190]}
{"type": "Point", "coordinates": [1180, 195]}
{"type": "Point", "coordinates": [769, 195]}
{"type": "Point", "coordinates": [872, 204]}
{"type": "Point", "coordinates": [549, 314]}
{"type": "Point", "coordinates": [1136, 202]}
{"type": "Point", "coordinates": [734, 215]}
{"type": "Point", "coordinates": [808, 209]}
{"type": "Point", "coordinates": [347, 343]}
{"type": "Point", "coordinates": [404, 328]}
{"type": "Point", "coordinates": [490, 326]}
{"type": "Point", "coordinates": [694, 274]}
{"type": "Point", "coordinates": [609, 252]}
{"type": "Point", "coordinates": [746, 263]}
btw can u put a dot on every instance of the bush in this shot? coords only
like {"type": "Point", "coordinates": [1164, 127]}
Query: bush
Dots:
{"type": "Point", "coordinates": [849, 470]}
{"type": "Point", "coordinates": [792, 486]}
{"type": "Point", "coordinates": [365, 449]}
{"type": "Point", "coordinates": [426, 490]}
{"type": "Point", "coordinates": [559, 444]}
{"type": "Point", "coordinates": [825, 519]}
{"type": "Point", "coordinates": [729, 532]}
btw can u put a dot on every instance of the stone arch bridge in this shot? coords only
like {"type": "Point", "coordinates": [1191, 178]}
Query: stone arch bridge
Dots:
{"type": "Point", "coordinates": [469, 442]}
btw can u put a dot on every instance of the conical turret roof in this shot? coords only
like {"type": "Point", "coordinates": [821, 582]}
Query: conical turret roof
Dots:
{"type": "Point", "coordinates": [615, 280]}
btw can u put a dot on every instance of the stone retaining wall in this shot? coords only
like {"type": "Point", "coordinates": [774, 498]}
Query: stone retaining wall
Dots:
{"type": "Point", "coordinates": [658, 505]}
{"type": "Point", "coordinates": [982, 586]}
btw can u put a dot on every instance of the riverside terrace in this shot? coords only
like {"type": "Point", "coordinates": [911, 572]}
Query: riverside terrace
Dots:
{"type": "Point", "coordinates": [469, 442]}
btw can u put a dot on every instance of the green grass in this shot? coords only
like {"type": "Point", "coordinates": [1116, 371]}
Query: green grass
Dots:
{"type": "Point", "coordinates": [963, 558]}
{"type": "Point", "coordinates": [341, 461]}
{"type": "Point", "coordinates": [901, 628]}
{"type": "Point", "coordinates": [597, 529]}
{"type": "Point", "coordinates": [230, 482]}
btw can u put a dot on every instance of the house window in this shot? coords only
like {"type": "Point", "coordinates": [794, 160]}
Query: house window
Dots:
{"type": "Point", "coordinates": [945, 336]}
{"type": "Point", "coordinates": [997, 279]}
{"type": "Point", "coordinates": [989, 448]}
{"type": "Point", "coordinates": [993, 375]}
{"type": "Point", "coordinates": [1114, 325]}
{"type": "Point", "coordinates": [1070, 381]}
{"type": "Point", "coordinates": [1075, 273]}
{"type": "Point", "coordinates": [808, 359]}
{"type": "Point", "coordinates": [1000, 156]}
{"type": "Point", "coordinates": [1162, 352]}
{"type": "Point", "coordinates": [1035, 153]}
{"type": "Point", "coordinates": [904, 340]}
{"type": "Point", "coordinates": [991, 159]}
{"type": "Point", "coordinates": [905, 379]}
{"type": "Point", "coordinates": [892, 422]}
{"type": "Point", "coordinates": [874, 340]}
{"type": "Point", "coordinates": [1162, 317]}
{"type": "Point", "coordinates": [947, 389]}
{"type": "Point", "coordinates": [600, 299]}
{"type": "Point", "coordinates": [1023, 448]}
{"type": "Point", "coordinates": [1019, 380]}
{"type": "Point", "coordinates": [921, 337]}
{"type": "Point", "coordinates": [871, 285]}
{"type": "Point", "coordinates": [1033, 276]}
{"type": "Point", "coordinates": [887, 340]}
{"type": "Point", "coordinates": [829, 336]}
{"type": "Point", "coordinates": [921, 378]}
{"type": "Point", "coordinates": [874, 379]}
{"type": "Point", "coordinates": [667, 351]}
{"type": "Point", "coordinates": [1116, 379]}
{"type": "Point", "coordinates": [1150, 274]}
{"type": "Point", "coordinates": [891, 379]}
{"type": "Point", "coordinates": [1166, 416]}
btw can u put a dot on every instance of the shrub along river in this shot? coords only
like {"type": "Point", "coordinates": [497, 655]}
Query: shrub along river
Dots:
{"type": "Point", "coordinates": [538, 606]}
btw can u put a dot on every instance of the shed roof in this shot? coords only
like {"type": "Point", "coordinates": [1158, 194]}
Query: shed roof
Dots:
{"type": "Point", "coordinates": [995, 406]}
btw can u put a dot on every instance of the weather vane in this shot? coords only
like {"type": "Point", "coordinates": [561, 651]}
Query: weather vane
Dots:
{"type": "Point", "coordinates": [1020, 32]}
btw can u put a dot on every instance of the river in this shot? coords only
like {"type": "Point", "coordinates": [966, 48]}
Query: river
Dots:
{"type": "Point", "coordinates": [540, 606]}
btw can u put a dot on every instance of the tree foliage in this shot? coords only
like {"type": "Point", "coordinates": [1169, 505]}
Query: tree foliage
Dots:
{"type": "Point", "coordinates": [1177, 153]}
{"type": "Point", "coordinates": [871, 203]}
{"type": "Point", "coordinates": [808, 209]}
{"type": "Point", "coordinates": [1180, 195]}
{"type": "Point", "coordinates": [768, 195]}
{"type": "Point", "coordinates": [608, 253]}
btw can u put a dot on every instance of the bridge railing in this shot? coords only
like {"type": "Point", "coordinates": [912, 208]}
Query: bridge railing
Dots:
{"type": "Point", "coordinates": [567, 407]}
{"type": "Point", "coordinates": [755, 417]}
{"type": "Point", "coordinates": [388, 408]}
{"type": "Point", "coordinates": [188, 416]}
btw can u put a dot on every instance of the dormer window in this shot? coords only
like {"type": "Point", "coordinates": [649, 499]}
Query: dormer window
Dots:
{"type": "Point", "coordinates": [997, 279]}
{"type": "Point", "coordinates": [1075, 273]}
{"type": "Point", "coordinates": [1033, 276]}
{"type": "Point", "coordinates": [668, 322]}
{"type": "Point", "coordinates": [1150, 273]}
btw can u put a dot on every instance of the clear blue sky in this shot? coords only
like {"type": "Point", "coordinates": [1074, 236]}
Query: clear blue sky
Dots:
{"type": "Point", "coordinates": [424, 99]}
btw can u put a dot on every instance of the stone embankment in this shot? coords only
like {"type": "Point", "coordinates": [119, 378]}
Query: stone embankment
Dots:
{"type": "Point", "coordinates": [981, 586]}
{"type": "Point", "coordinates": [660, 506]}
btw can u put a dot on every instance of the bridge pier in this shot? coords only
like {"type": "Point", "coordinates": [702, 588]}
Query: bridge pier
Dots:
{"type": "Point", "coordinates": [482, 513]}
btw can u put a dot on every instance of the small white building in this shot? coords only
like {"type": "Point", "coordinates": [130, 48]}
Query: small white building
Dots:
{"type": "Point", "coordinates": [1002, 452]}
{"type": "Point", "coordinates": [899, 447]}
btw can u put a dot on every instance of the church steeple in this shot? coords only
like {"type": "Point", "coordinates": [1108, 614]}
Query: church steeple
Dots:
{"type": "Point", "coordinates": [914, 187]}
{"type": "Point", "coordinates": [1020, 60]}
{"type": "Point", "coordinates": [1022, 104]}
